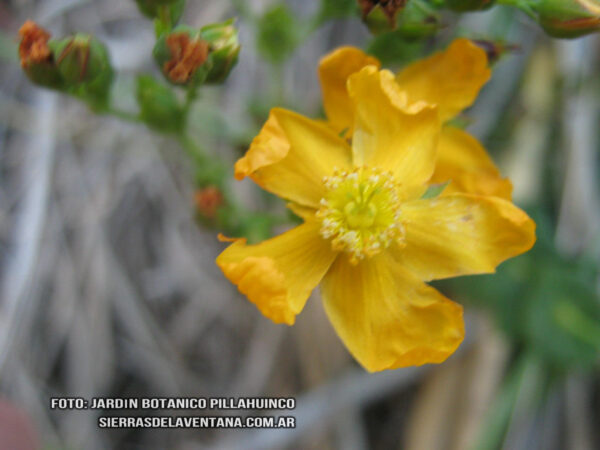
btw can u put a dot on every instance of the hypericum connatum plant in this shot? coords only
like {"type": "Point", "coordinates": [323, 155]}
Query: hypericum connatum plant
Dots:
{"type": "Point", "coordinates": [391, 193]}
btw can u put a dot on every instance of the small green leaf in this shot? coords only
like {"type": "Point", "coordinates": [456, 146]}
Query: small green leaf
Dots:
{"type": "Point", "coordinates": [278, 34]}
{"type": "Point", "coordinates": [153, 9]}
{"type": "Point", "coordinates": [159, 107]}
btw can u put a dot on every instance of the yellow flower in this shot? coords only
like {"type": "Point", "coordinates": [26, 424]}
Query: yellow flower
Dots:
{"type": "Point", "coordinates": [368, 237]}
{"type": "Point", "coordinates": [451, 80]}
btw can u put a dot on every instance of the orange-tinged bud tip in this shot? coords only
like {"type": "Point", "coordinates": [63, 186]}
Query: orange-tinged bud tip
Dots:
{"type": "Point", "coordinates": [34, 44]}
{"type": "Point", "coordinates": [208, 200]}
{"type": "Point", "coordinates": [187, 56]}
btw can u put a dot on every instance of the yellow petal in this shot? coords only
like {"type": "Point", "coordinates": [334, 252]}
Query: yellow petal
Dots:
{"type": "Point", "coordinates": [304, 212]}
{"type": "Point", "coordinates": [334, 70]}
{"type": "Point", "coordinates": [462, 234]}
{"type": "Point", "coordinates": [390, 133]}
{"type": "Point", "coordinates": [387, 317]}
{"type": "Point", "coordinates": [450, 79]}
{"type": "Point", "coordinates": [463, 161]}
{"type": "Point", "coordinates": [291, 155]}
{"type": "Point", "coordinates": [279, 274]}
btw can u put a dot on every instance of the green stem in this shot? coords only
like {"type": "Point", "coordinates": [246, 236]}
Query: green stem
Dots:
{"type": "Point", "coordinates": [163, 23]}
{"type": "Point", "coordinates": [193, 150]}
{"type": "Point", "coordinates": [192, 95]}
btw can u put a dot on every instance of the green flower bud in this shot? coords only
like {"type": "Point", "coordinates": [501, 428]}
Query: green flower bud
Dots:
{"type": "Point", "coordinates": [224, 49]}
{"type": "Point", "coordinates": [568, 18]}
{"type": "Point", "coordinates": [469, 5]}
{"type": "Point", "coordinates": [159, 107]}
{"type": "Point", "coordinates": [380, 15]}
{"type": "Point", "coordinates": [152, 8]}
{"type": "Point", "coordinates": [37, 59]}
{"type": "Point", "coordinates": [183, 56]}
{"type": "Point", "coordinates": [81, 59]}
{"type": "Point", "coordinates": [85, 68]}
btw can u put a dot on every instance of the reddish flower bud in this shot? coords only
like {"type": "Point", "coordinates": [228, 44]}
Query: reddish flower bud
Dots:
{"type": "Point", "coordinates": [36, 56]}
{"type": "Point", "coordinates": [33, 48]}
{"type": "Point", "coordinates": [208, 200]}
{"type": "Point", "coordinates": [183, 56]}
{"type": "Point", "coordinates": [186, 56]}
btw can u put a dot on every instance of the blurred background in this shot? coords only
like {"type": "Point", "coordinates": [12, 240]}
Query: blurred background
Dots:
{"type": "Point", "coordinates": [107, 278]}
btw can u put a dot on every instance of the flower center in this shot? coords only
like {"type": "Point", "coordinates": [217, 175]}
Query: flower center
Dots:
{"type": "Point", "coordinates": [360, 212]}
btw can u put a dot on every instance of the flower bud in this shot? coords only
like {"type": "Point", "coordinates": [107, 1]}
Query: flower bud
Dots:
{"type": "Point", "coordinates": [380, 15]}
{"type": "Point", "coordinates": [183, 56]}
{"type": "Point", "coordinates": [152, 8]}
{"type": "Point", "coordinates": [84, 66]}
{"type": "Point", "coordinates": [224, 49]}
{"type": "Point", "coordinates": [81, 59]}
{"type": "Point", "coordinates": [37, 59]}
{"type": "Point", "coordinates": [208, 200]}
{"type": "Point", "coordinates": [469, 5]}
{"type": "Point", "coordinates": [568, 18]}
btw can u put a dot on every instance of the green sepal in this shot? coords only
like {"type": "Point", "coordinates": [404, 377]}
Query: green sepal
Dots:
{"type": "Point", "coordinates": [45, 74]}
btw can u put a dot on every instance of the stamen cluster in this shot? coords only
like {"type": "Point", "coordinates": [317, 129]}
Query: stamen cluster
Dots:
{"type": "Point", "coordinates": [360, 212]}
